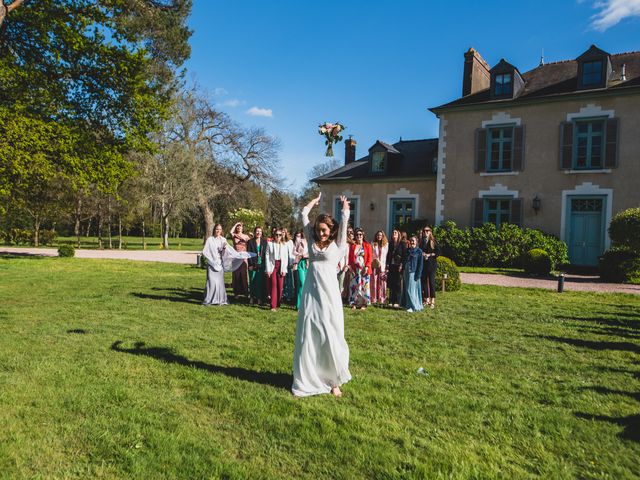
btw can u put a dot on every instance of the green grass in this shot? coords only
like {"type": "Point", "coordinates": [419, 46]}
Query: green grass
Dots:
{"type": "Point", "coordinates": [132, 243]}
{"type": "Point", "coordinates": [112, 369]}
{"type": "Point", "coordinates": [492, 270]}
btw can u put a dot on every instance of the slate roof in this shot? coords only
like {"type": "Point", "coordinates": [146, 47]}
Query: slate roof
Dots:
{"type": "Point", "coordinates": [559, 78]}
{"type": "Point", "coordinates": [406, 158]}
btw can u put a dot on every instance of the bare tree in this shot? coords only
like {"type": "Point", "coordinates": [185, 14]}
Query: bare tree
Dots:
{"type": "Point", "coordinates": [222, 156]}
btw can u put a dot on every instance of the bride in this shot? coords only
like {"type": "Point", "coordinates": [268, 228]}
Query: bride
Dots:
{"type": "Point", "coordinates": [321, 354]}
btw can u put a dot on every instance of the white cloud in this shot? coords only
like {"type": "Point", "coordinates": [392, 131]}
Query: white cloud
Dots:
{"type": "Point", "coordinates": [260, 112]}
{"type": "Point", "coordinates": [232, 103]}
{"type": "Point", "coordinates": [219, 91]}
{"type": "Point", "coordinates": [612, 12]}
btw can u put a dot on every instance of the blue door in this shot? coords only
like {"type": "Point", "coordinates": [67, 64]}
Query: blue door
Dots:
{"type": "Point", "coordinates": [586, 229]}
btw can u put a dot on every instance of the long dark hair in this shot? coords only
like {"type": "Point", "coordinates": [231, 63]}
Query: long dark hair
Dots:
{"type": "Point", "coordinates": [330, 222]}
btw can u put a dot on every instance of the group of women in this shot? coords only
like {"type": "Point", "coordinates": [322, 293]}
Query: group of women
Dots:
{"type": "Point", "coordinates": [406, 266]}
{"type": "Point", "coordinates": [400, 271]}
{"type": "Point", "coordinates": [337, 265]}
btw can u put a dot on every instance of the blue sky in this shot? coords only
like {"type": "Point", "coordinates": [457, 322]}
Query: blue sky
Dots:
{"type": "Point", "coordinates": [376, 66]}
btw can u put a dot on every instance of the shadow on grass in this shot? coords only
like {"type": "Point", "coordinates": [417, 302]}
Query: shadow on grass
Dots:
{"type": "Point", "coordinates": [15, 255]}
{"type": "Point", "coordinates": [183, 295]}
{"type": "Point", "coordinates": [80, 331]}
{"type": "Point", "coordinates": [612, 331]}
{"type": "Point", "coordinates": [277, 380]}
{"type": "Point", "coordinates": [613, 321]}
{"type": "Point", "coordinates": [608, 391]}
{"type": "Point", "coordinates": [594, 345]}
{"type": "Point", "coordinates": [630, 423]}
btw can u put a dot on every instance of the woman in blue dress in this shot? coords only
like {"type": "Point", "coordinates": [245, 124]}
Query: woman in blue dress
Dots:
{"type": "Point", "coordinates": [412, 298]}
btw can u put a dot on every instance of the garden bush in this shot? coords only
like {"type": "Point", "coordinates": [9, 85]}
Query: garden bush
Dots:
{"type": "Point", "coordinates": [620, 265]}
{"type": "Point", "coordinates": [537, 261]}
{"type": "Point", "coordinates": [488, 246]}
{"type": "Point", "coordinates": [19, 236]}
{"type": "Point", "coordinates": [46, 237]}
{"type": "Point", "coordinates": [66, 251]}
{"type": "Point", "coordinates": [448, 267]}
{"type": "Point", "coordinates": [624, 229]}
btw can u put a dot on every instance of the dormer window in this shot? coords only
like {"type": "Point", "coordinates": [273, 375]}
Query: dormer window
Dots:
{"type": "Point", "coordinates": [594, 68]}
{"type": "Point", "coordinates": [506, 81]}
{"type": "Point", "coordinates": [378, 162]}
{"type": "Point", "coordinates": [592, 73]}
{"type": "Point", "coordinates": [503, 84]}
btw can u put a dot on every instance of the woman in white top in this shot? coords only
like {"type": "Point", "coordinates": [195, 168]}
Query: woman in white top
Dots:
{"type": "Point", "coordinates": [278, 258]}
{"type": "Point", "coordinates": [221, 257]}
{"type": "Point", "coordinates": [379, 266]}
{"type": "Point", "coordinates": [321, 354]}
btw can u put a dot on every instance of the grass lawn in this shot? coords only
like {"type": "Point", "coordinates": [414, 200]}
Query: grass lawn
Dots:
{"type": "Point", "coordinates": [112, 369]}
{"type": "Point", "coordinates": [131, 243]}
{"type": "Point", "coordinates": [492, 270]}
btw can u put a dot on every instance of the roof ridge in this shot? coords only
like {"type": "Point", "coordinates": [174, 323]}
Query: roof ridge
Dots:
{"type": "Point", "coordinates": [417, 140]}
{"type": "Point", "coordinates": [625, 53]}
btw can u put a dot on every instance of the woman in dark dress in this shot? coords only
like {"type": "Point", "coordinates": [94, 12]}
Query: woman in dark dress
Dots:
{"type": "Point", "coordinates": [257, 266]}
{"type": "Point", "coordinates": [431, 250]}
{"type": "Point", "coordinates": [395, 258]}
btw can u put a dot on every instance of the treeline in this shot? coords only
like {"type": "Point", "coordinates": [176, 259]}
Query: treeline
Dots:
{"type": "Point", "coordinates": [100, 136]}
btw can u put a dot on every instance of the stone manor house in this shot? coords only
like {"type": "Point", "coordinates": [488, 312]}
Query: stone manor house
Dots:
{"type": "Point", "coordinates": [555, 148]}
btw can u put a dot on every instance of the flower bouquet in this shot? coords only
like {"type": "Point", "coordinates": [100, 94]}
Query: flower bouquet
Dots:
{"type": "Point", "coordinates": [331, 133]}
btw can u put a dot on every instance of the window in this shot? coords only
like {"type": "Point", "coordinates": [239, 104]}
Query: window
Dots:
{"type": "Point", "coordinates": [402, 211]}
{"type": "Point", "coordinates": [589, 144]}
{"type": "Point", "coordinates": [592, 73]}
{"type": "Point", "coordinates": [500, 149]}
{"type": "Point", "coordinates": [378, 162]}
{"type": "Point", "coordinates": [503, 84]}
{"type": "Point", "coordinates": [497, 211]}
{"type": "Point", "coordinates": [353, 206]}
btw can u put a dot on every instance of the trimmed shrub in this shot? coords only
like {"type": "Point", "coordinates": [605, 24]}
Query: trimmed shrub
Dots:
{"type": "Point", "coordinates": [624, 229]}
{"type": "Point", "coordinates": [66, 251]}
{"type": "Point", "coordinates": [537, 261]}
{"type": "Point", "coordinates": [620, 265]}
{"type": "Point", "coordinates": [448, 267]}
{"type": "Point", "coordinates": [487, 246]}
{"type": "Point", "coordinates": [19, 236]}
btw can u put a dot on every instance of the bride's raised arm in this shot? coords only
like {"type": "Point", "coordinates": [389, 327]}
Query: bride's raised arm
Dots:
{"type": "Point", "coordinates": [341, 241]}
{"type": "Point", "coordinates": [305, 217]}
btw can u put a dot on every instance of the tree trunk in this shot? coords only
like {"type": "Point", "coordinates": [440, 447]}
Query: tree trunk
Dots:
{"type": "Point", "coordinates": [88, 227]}
{"type": "Point", "coordinates": [36, 231]}
{"type": "Point", "coordinates": [109, 222]}
{"type": "Point", "coordinates": [144, 239]}
{"type": "Point", "coordinates": [119, 231]}
{"type": "Point", "coordinates": [207, 213]}
{"type": "Point", "coordinates": [164, 226]}
{"type": "Point", "coordinates": [76, 227]}
{"type": "Point", "coordinates": [100, 245]}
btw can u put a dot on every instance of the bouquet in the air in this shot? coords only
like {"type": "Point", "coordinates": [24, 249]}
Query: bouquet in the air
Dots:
{"type": "Point", "coordinates": [331, 133]}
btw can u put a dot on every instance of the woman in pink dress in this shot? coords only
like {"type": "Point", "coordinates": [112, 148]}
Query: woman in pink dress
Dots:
{"type": "Point", "coordinates": [379, 266]}
{"type": "Point", "coordinates": [240, 279]}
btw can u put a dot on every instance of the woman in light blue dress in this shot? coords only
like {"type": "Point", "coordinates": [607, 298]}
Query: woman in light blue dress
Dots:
{"type": "Point", "coordinates": [412, 295]}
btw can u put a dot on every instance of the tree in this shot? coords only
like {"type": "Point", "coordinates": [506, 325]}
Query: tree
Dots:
{"type": "Point", "coordinates": [99, 73]}
{"type": "Point", "coordinates": [223, 157]}
{"type": "Point", "coordinates": [311, 189]}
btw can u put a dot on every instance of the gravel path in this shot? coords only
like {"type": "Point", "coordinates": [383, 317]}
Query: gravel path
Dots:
{"type": "Point", "coordinates": [585, 283]}
{"type": "Point", "coordinates": [572, 282]}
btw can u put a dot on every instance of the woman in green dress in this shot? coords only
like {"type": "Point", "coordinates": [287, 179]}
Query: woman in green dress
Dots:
{"type": "Point", "coordinates": [257, 284]}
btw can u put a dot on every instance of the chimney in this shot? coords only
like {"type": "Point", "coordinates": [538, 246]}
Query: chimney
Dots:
{"type": "Point", "coordinates": [476, 74]}
{"type": "Point", "coordinates": [349, 150]}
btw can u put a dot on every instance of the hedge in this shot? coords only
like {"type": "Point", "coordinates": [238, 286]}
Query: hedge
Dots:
{"type": "Point", "coordinates": [488, 246]}
{"type": "Point", "coordinates": [448, 267]}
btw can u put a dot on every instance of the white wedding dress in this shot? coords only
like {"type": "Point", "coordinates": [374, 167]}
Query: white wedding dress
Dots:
{"type": "Point", "coordinates": [321, 354]}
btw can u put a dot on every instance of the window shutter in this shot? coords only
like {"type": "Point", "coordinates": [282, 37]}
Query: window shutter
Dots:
{"type": "Point", "coordinates": [477, 212]}
{"type": "Point", "coordinates": [516, 211]}
{"type": "Point", "coordinates": [518, 149]}
{"type": "Point", "coordinates": [611, 147]}
{"type": "Point", "coordinates": [566, 145]}
{"type": "Point", "coordinates": [481, 150]}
